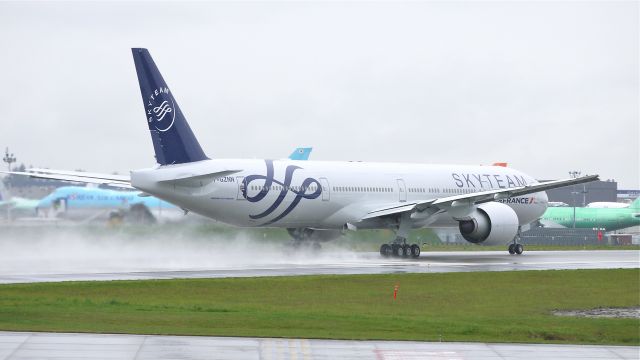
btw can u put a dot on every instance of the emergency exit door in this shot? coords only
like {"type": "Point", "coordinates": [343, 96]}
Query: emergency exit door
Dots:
{"type": "Point", "coordinates": [402, 191]}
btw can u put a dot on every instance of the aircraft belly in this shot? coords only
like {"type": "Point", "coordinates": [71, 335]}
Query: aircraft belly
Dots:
{"type": "Point", "coordinates": [79, 214]}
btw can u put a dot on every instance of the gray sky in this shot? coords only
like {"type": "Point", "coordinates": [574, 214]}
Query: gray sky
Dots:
{"type": "Point", "coordinates": [547, 86]}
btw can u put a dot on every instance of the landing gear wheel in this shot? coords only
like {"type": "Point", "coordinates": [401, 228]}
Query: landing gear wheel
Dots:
{"type": "Point", "coordinates": [406, 251]}
{"type": "Point", "coordinates": [385, 250]}
{"type": "Point", "coordinates": [519, 249]}
{"type": "Point", "coordinates": [511, 249]}
{"type": "Point", "coordinates": [415, 251]}
{"type": "Point", "coordinates": [397, 250]}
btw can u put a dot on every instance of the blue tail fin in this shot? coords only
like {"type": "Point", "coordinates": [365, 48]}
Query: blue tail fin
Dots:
{"type": "Point", "coordinates": [173, 140]}
{"type": "Point", "coordinates": [300, 154]}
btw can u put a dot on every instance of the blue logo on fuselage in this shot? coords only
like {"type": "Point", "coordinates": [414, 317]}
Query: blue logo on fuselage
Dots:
{"type": "Point", "coordinates": [285, 187]}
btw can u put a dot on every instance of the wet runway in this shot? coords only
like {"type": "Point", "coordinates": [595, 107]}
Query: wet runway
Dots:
{"type": "Point", "coordinates": [17, 270]}
{"type": "Point", "coordinates": [28, 346]}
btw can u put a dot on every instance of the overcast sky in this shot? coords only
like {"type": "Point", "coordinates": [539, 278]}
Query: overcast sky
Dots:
{"type": "Point", "coordinates": [548, 87]}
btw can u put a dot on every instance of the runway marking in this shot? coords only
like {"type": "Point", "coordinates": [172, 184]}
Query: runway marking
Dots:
{"type": "Point", "coordinates": [416, 354]}
{"type": "Point", "coordinates": [29, 346]}
{"type": "Point", "coordinates": [306, 349]}
{"type": "Point", "coordinates": [293, 349]}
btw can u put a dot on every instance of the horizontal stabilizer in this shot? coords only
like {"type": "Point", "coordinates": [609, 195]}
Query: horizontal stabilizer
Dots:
{"type": "Point", "coordinates": [109, 180]}
{"type": "Point", "coordinates": [112, 177]}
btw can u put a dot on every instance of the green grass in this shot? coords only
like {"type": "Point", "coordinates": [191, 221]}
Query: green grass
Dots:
{"type": "Point", "coordinates": [489, 306]}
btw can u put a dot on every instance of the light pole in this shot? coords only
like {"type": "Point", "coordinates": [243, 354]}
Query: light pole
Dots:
{"type": "Point", "coordinates": [8, 158]}
{"type": "Point", "coordinates": [574, 174]}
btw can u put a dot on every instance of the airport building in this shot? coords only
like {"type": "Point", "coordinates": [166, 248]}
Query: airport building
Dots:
{"type": "Point", "coordinates": [581, 195]}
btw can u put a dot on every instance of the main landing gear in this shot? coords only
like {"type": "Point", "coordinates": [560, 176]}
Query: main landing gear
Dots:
{"type": "Point", "coordinates": [516, 248]}
{"type": "Point", "coordinates": [302, 240]}
{"type": "Point", "coordinates": [400, 248]}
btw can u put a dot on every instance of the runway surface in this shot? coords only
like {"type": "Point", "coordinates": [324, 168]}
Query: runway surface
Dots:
{"type": "Point", "coordinates": [28, 346]}
{"type": "Point", "coordinates": [16, 269]}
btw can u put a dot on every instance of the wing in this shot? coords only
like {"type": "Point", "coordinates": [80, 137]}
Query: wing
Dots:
{"type": "Point", "coordinates": [425, 208]}
{"type": "Point", "coordinates": [121, 181]}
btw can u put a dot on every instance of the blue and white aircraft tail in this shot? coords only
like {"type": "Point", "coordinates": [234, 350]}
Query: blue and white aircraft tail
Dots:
{"type": "Point", "coordinates": [301, 153]}
{"type": "Point", "coordinates": [13, 207]}
{"type": "Point", "coordinates": [173, 140]}
{"type": "Point", "coordinates": [318, 200]}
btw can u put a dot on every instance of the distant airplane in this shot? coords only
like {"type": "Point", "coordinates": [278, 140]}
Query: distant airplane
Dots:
{"type": "Point", "coordinates": [81, 203]}
{"type": "Point", "coordinates": [609, 219]}
{"type": "Point", "coordinates": [607, 205]}
{"type": "Point", "coordinates": [316, 201]}
{"type": "Point", "coordinates": [13, 206]}
{"type": "Point", "coordinates": [301, 154]}
{"type": "Point", "coordinates": [556, 204]}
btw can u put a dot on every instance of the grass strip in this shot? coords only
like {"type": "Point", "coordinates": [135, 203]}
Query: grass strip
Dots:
{"type": "Point", "coordinates": [478, 306]}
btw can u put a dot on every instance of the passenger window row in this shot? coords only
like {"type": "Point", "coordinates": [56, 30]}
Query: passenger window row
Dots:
{"type": "Point", "coordinates": [378, 189]}
{"type": "Point", "coordinates": [280, 187]}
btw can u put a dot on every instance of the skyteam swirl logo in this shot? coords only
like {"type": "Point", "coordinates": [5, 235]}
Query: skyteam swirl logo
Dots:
{"type": "Point", "coordinates": [301, 192]}
{"type": "Point", "coordinates": [160, 109]}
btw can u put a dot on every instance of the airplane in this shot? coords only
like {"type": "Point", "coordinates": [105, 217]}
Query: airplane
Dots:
{"type": "Point", "coordinates": [80, 203]}
{"type": "Point", "coordinates": [319, 200]}
{"type": "Point", "coordinates": [608, 218]}
{"type": "Point", "coordinates": [607, 205]}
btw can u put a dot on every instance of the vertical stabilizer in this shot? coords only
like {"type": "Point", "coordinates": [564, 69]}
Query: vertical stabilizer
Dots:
{"type": "Point", "coordinates": [635, 204]}
{"type": "Point", "coordinates": [173, 140]}
{"type": "Point", "coordinates": [300, 154]}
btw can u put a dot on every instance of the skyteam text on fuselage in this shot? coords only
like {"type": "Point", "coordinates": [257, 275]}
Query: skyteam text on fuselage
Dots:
{"type": "Point", "coordinates": [318, 200]}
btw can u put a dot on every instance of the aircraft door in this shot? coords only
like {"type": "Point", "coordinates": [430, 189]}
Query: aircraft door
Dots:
{"type": "Point", "coordinates": [326, 192]}
{"type": "Point", "coordinates": [59, 206]}
{"type": "Point", "coordinates": [402, 191]}
{"type": "Point", "coordinates": [240, 181]}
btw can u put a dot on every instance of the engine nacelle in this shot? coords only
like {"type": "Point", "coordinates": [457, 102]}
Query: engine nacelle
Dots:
{"type": "Point", "coordinates": [491, 223]}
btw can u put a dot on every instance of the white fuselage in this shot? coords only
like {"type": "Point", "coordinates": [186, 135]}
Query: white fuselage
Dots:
{"type": "Point", "coordinates": [323, 194]}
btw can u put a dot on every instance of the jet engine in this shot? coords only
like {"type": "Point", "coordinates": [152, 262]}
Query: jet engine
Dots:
{"type": "Point", "coordinates": [491, 223]}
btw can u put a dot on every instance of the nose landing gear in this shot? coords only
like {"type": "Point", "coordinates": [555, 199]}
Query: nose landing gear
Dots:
{"type": "Point", "coordinates": [516, 248]}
